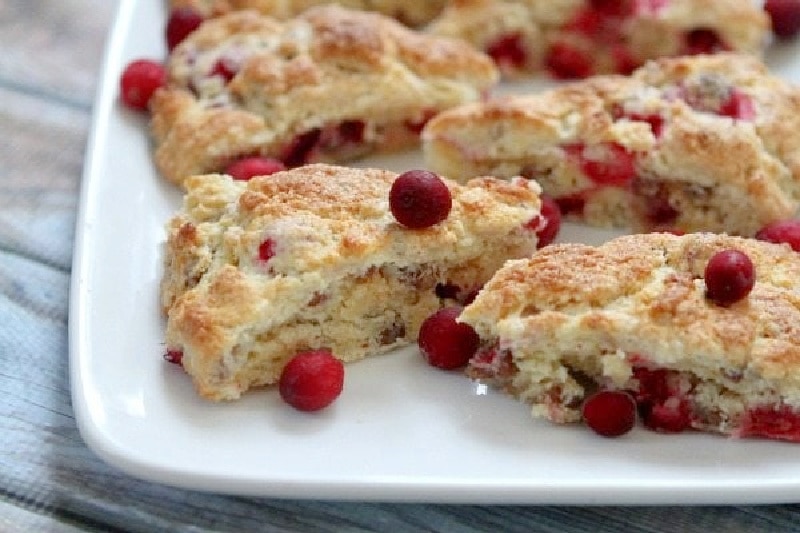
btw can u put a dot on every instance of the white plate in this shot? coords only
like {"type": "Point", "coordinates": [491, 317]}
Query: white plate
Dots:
{"type": "Point", "coordinates": [400, 431]}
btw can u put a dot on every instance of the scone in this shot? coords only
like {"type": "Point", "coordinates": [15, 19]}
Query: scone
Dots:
{"type": "Point", "coordinates": [328, 86]}
{"type": "Point", "coordinates": [313, 258]}
{"type": "Point", "coordinates": [411, 12]}
{"type": "Point", "coordinates": [701, 143]}
{"type": "Point", "coordinates": [632, 314]}
{"type": "Point", "coordinates": [580, 38]}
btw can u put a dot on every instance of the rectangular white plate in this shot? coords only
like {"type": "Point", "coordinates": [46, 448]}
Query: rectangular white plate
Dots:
{"type": "Point", "coordinates": [400, 431]}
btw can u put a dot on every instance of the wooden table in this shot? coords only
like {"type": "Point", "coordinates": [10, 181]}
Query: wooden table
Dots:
{"type": "Point", "coordinates": [50, 52]}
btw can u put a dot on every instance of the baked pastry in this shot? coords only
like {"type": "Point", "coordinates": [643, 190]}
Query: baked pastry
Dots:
{"type": "Point", "coordinates": [312, 258]}
{"type": "Point", "coordinates": [632, 314]}
{"type": "Point", "coordinates": [411, 12]}
{"type": "Point", "coordinates": [580, 38]}
{"type": "Point", "coordinates": [328, 86]}
{"type": "Point", "coordinates": [700, 143]}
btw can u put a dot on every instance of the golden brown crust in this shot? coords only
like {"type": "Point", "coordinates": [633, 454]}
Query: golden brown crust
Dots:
{"type": "Point", "coordinates": [648, 32]}
{"type": "Point", "coordinates": [412, 12]}
{"type": "Point", "coordinates": [238, 316]}
{"type": "Point", "coordinates": [687, 162]}
{"type": "Point", "coordinates": [325, 67]}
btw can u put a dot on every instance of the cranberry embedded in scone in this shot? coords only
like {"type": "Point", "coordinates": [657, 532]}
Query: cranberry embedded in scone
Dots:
{"type": "Point", "coordinates": [182, 21]}
{"type": "Point", "coordinates": [508, 51]}
{"type": "Point", "coordinates": [566, 62]}
{"type": "Point", "coordinates": [703, 41]}
{"type": "Point", "coordinates": [266, 250]}
{"type": "Point", "coordinates": [225, 69]}
{"type": "Point", "coordinates": [604, 164]}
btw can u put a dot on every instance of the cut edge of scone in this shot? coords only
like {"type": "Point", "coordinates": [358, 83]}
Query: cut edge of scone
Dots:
{"type": "Point", "coordinates": [703, 143]}
{"type": "Point", "coordinates": [632, 315]}
{"type": "Point", "coordinates": [312, 258]}
{"type": "Point", "coordinates": [329, 85]}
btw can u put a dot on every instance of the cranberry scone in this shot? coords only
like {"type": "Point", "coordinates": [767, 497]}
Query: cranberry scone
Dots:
{"type": "Point", "coordinates": [700, 143]}
{"type": "Point", "coordinates": [635, 315]}
{"type": "Point", "coordinates": [580, 38]}
{"type": "Point", "coordinates": [327, 86]}
{"type": "Point", "coordinates": [313, 258]}
{"type": "Point", "coordinates": [411, 12]}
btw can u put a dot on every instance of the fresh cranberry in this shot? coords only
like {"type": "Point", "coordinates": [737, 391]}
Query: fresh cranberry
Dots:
{"type": "Point", "coordinates": [419, 199]}
{"type": "Point", "coordinates": [139, 81]}
{"type": "Point", "coordinates": [670, 416]}
{"type": "Point", "coordinates": [730, 276]}
{"type": "Point", "coordinates": [266, 250]}
{"type": "Point", "coordinates": [588, 22]}
{"type": "Point", "coordinates": [738, 106]}
{"type": "Point", "coordinates": [785, 16]}
{"type": "Point", "coordinates": [509, 51]}
{"type": "Point", "coordinates": [572, 204]}
{"type": "Point", "coordinates": [774, 422]}
{"type": "Point", "coordinates": [610, 413]}
{"type": "Point", "coordinates": [613, 8]}
{"type": "Point", "coordinates": [300, 149]}
{"type": "Point", "coordinates": [224, 69]}
{"type": "Point", "coordinates": [566, 62]}
{"type": "Point", "coordinates": [653, 384]}
{"type": "Point", "coordinates": [655, 120]}
{"type": "Point", "coordinates": [312, 380]}
{"type": "Point", "coordinates": [624, 61]}
{"type": "Point", "coordinates": [551, 214]}
{"type": "Point", "coordinates": [703, 41]}
{"type": "Point", "coordinates": [783, 231]}
{"type": "Point", "coordinates": [445, 343]}
{"type": "Point", "coordinates": [182, 21]}
{"type": "Point", "coordinates": [174, 356]}
{"type": "Point", "coordinates": [605, 164]}
{"type": "Point", "coordinates": [248, 167]}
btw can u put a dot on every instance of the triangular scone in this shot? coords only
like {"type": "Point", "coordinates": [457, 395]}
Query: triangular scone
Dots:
{"type": "Point", "coordinates": [581, 38]}
{"type": "Point", "coordinates": [632, 314]}
{"type": "Point", "coordinates": [704, 143]}
{"type": "Point", "coordinates": [330, 85]}
{"type": "Point", "coordinates": [411, 12]}
{"type": "Point", "coordinates": [313, 258]}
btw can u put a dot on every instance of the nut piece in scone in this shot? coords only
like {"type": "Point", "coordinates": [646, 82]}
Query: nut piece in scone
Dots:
{"type": "Point", "coordinates": [633, 315]}
{"type": "Point", "coordinates": [329, 85]}
{"type": "Point", "coordinates": [411, 12]}
{"type": "Point", "coordinates": [701, 143]}
{"type": "Point", "coordinates": [313, 258]}
{"type": "Point", "coordinates": [575, 38]}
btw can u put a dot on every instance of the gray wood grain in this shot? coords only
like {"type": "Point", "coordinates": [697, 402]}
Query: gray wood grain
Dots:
{"type": "Point", "coordinates": [49, 480]}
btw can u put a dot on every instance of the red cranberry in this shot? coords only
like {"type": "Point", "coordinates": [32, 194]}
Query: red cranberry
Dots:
{"type": "Point", "coordinates": [352, 131]}
{"type": "Point", "coordinates": [771, 421]}
{"type": "Point", "coordinates": [419, 199]}
{"type": "Point", "coordinates": [572, 204]}
{"type": "Point", "coordinates": [552, 222]}
{"type": "Point", "coordinates": [224, 69]}
{"type": "Point", "coordinates": [730, 276]}
{"type": "Point", "coordinates": [300, 149]}
{"type": "Point", "coordinates": [445, 343]}
{"type": "Point", "coordinates": [182, 21]}
{"type": "Point", "coordinates": [655, 120]}
{"type": "Point", "coordinates": [587, 22]}
{"type": "Point", "coordinates": [174, 356]}
{"type": "Point", "coordinates": [266, 250]}
{"type": "Point", "coordinates": [509, 51]}
{"type": "Point", "coordinates": [610, 413]}
{"type": "Point", "coordinates": [785, 16]}
{"type": "Point", "coordinates": [670, 416]}
{"type": "Point", "coordinates": [605, 164]}
{"type": "Point", "coordinates": [703, 41]}
{"type": "Point", "coordinates": [312, 380]}
{"type": "Point", "coordinates": [566, 62]}
{"type": "Point", "coordinates": [613, 8]}
{"type": "Point", "coordinates": [248, 167]}
{"type": "Point", "coordinates": [783, 231]}
{"type": "Point", "coordinates": [139, 81]}
{"type": "Point", "coordinates": [624, 60]}
{"type": "Point", "coordinates": [738, 106]}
